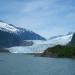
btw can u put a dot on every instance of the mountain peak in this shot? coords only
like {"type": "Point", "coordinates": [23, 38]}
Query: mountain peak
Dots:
{"type": "Point", "coordinates": [22, 32]}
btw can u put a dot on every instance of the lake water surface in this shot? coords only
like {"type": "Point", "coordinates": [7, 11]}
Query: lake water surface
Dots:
{"type": "Point", "coordinates": [21, 64]}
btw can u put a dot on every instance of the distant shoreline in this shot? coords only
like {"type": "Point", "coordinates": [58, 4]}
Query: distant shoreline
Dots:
{"type": "Point", "coordinates": [3, 50]}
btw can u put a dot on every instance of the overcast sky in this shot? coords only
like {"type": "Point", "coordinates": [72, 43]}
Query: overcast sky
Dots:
{"type": "Point", "coordinates": [45, 17]}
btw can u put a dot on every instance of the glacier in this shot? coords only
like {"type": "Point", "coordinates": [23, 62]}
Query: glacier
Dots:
{"type": "Point", "coordinates": [40, 46]}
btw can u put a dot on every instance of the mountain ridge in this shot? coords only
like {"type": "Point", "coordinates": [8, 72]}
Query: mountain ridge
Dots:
{"type": "Point", "coordinates": [15, 36]}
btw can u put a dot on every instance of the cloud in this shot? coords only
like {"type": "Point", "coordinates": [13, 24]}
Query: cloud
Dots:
{"type": "Point", "coordinates": [46, 17]}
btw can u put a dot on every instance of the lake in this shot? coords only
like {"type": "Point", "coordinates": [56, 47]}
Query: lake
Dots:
{"type": "Point", "coordinates": [22, 64]}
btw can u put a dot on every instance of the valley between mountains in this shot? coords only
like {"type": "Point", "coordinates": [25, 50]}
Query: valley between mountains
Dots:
{"type": "Point", "coordinates": [19, 40]}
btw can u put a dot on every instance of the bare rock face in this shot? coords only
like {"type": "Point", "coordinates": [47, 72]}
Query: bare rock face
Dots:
{"type": "Point", "coordinates": [73, 40]}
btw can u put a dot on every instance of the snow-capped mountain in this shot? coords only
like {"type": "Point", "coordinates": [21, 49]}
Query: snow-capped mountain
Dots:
{"type": "Point", "coordinates": [11, 35]}
{"type": "Point", "coordinates": [24, 34]}
{"type": "Point", "coordinates": [6, 27]}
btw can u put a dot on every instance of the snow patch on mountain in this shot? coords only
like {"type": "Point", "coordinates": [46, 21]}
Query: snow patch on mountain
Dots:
{"type": "Point", "coordinates": [7, 27]}
{"type": "Point", "coordinates": [63, 40]}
